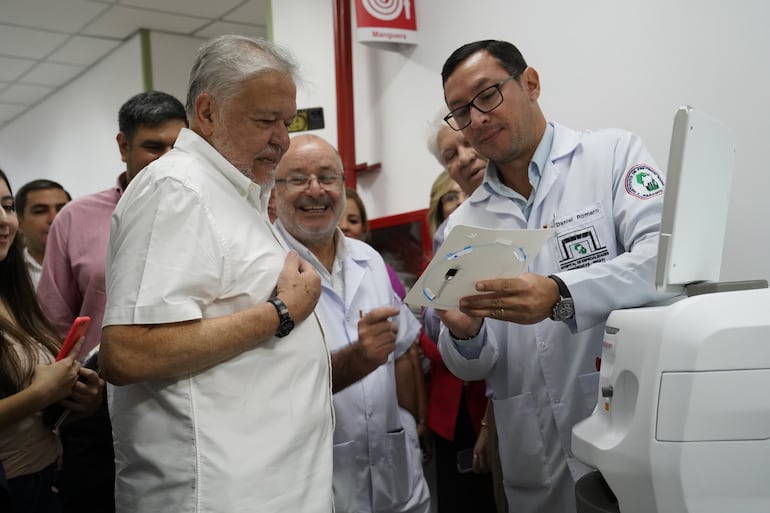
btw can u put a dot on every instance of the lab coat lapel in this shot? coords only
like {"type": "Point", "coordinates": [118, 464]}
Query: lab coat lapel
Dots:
{"type": "Point", "coordinates": [355, 270]}
{"type": "Point", "coordinates": [565, 142]}
{"type": "Point", "coordinates": [506, 207]}
{"type": "Point", "coordinates": [502, 209]}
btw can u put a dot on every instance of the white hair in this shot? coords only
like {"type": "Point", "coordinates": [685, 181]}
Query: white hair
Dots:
{"type": "Point", "coordinates": [224, 62]}
{"type": "Point", "coordinates": [434, 127]}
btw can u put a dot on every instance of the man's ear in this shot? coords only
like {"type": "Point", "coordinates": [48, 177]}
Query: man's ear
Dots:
{"type": "Point", "coordinates": [530, 80]}
{"type": "Point", "coordinates": [122, 145]}
{"type": "Point", "coordinates": [205, 111]}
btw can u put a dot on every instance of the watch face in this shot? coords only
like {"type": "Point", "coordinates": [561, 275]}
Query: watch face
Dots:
{"type": "Point", "coordinates": [285, 327]}
{"type": "Point", "coordinates": [286, 324]}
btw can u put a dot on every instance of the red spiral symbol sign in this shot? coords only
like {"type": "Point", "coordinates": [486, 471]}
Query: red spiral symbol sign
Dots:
{"type": "Point", "coordinates": [387, 10]}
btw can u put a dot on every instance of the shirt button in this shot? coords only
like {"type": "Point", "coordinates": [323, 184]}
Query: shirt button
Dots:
{"type": "Point", "coordinates": [556, 400]}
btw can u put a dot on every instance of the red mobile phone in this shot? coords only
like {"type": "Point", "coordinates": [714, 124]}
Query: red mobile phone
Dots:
{"type": "Point", "coordinates": [77, 330]}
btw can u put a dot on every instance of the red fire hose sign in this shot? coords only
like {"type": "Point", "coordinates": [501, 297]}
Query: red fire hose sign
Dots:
{"type": "Point", "coordinates": [389, 21]}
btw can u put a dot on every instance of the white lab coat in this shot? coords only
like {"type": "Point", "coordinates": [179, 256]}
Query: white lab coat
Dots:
{"type": "Point", "coordinates": [543, 376]}
{"type": "Point", "coordinates": [377, 458]}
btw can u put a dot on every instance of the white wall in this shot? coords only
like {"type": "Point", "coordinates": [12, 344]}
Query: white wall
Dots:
{"type": "Point", "coordinates": [601, 63]}
{"type": "Point", "coordinates": [172, 59]}
{"type": "Point", "coordinates": [312, 44]}
{"type": "Point", "coordinates": [70, 137]}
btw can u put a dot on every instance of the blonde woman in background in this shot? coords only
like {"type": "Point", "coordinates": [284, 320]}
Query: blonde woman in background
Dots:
{"type": "Point", "coordinates": [354, 223]}
{"type": "Point", "coordinates": [445, 196]}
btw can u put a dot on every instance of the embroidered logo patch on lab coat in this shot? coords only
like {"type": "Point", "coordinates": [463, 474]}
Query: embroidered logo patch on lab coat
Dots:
{"type": "Point", "coordinates": [643, 182]}
{"type": "Point", "coordinates": [579, 238]}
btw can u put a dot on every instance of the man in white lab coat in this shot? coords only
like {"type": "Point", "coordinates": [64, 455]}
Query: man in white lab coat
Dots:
{"type": "Point", "coordinates": [536, 337]}
{"type": "Point", "coordinates": [377, 458]}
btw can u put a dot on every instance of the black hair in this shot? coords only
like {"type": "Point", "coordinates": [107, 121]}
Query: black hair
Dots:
{"type": "Point", "coordinates": [149, 109]}
{"type": "Point", "coordinates": [35, 185]}
{"type": "Point", "coordinates": [507, 55]}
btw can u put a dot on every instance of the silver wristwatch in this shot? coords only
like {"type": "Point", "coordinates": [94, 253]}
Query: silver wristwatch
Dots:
{"type": "Point", "coordinates": [564, 309]}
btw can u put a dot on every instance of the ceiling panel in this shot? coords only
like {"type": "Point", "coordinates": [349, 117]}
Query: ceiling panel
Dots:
{"type": "Point", "coordinates": [9, 111]}
{"type": "Point", "coordinates": [252, 11]}
{"type": "Point", "coordinates": [222, 27]}
{"type": "Point", "coordinates": [11, 68]}
{"type": "Point", "coordinates": [83, 50]}
{"type": "Point", "coordinates": [64, 16]}
{"type": "Point", "coordinates": [29, 43]}
{"type": "Point", "coordinates": [24, 94]}
{"type": "Point", "coordinates": [202, 8]}
{"type": "Point", "coordinates": [121, 22]}
{"type": "Point", "coordinates": [51, 73]}
{"type": "Point", "coordinates": [44, 44]}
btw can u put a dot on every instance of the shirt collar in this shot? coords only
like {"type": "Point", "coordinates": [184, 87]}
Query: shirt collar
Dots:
{"type": "Point", "coordinates": [540, 158]}
{"type": "Point", "coordinates": [536, 167]}
{"type": "Point", "coordinates": [190, 141]}
{"type": "Point", "coordinates": [335, 278]}
{"type": "Point", "coordinates": [120, 184]}
{"type": "Point", "coordinates": [30, 260]}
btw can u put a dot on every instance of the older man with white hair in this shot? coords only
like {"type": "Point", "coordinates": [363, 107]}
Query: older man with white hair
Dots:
{"type": "Point", "coordinates": [223, 401]}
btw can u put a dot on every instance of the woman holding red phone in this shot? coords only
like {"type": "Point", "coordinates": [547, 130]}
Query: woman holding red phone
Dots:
{"type": "Point", "coordinates": [30, 380]}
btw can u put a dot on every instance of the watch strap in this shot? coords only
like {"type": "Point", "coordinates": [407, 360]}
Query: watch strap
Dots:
{"type": "Point", "coordinates": [563, 290]}
{"type": "Point", "coordinates": [564, 308]}
{"type": "Point", "coordinates": [279, 305]}
{"type": "Point", "coordinates": [285, 322]}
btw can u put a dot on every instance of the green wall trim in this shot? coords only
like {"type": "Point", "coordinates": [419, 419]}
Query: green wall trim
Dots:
{"type": "Point", "coordinates": [144, 39]}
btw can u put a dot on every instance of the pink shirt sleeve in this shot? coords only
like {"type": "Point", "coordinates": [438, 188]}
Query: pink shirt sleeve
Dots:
{"type": "Point", "coordinates": [57, 291]}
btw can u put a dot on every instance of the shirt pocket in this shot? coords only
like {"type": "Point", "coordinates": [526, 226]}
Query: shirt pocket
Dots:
{"type": "Point", "coordinates": [522, 451]}
{"type": "Point", "coordinates": [347, 474]}
{"type": "Point", "coordinates": [395, 481]}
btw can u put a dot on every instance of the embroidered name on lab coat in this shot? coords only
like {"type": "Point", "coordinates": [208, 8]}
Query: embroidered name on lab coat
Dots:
{"type": "Point", "coordinates": [578, 240]}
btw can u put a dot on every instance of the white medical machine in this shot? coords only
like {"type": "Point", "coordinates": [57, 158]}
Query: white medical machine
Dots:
{"type": "Point", "coordinates": [682, 422]}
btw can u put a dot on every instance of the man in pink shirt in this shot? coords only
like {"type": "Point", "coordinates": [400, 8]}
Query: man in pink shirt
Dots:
{"type": "Point", "coordinates": [72, 284]}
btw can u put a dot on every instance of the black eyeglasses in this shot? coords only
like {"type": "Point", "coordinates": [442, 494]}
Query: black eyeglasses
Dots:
{"type": "Point", "coordinates": [299, 183]}
{"type": "Point", "coordinates": [486, 100]}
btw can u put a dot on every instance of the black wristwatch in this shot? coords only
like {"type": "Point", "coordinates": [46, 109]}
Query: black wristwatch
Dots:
{"type": "Point", "coordinates": [564, 309]}
{"type": "Point", "coordinates": [286, 324]}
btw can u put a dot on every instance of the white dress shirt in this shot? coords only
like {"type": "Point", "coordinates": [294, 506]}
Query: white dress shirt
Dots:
{"type": "Point", "coordinates": [190, 239]}
{"type": "Point", "coordinates": [33, 268]}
